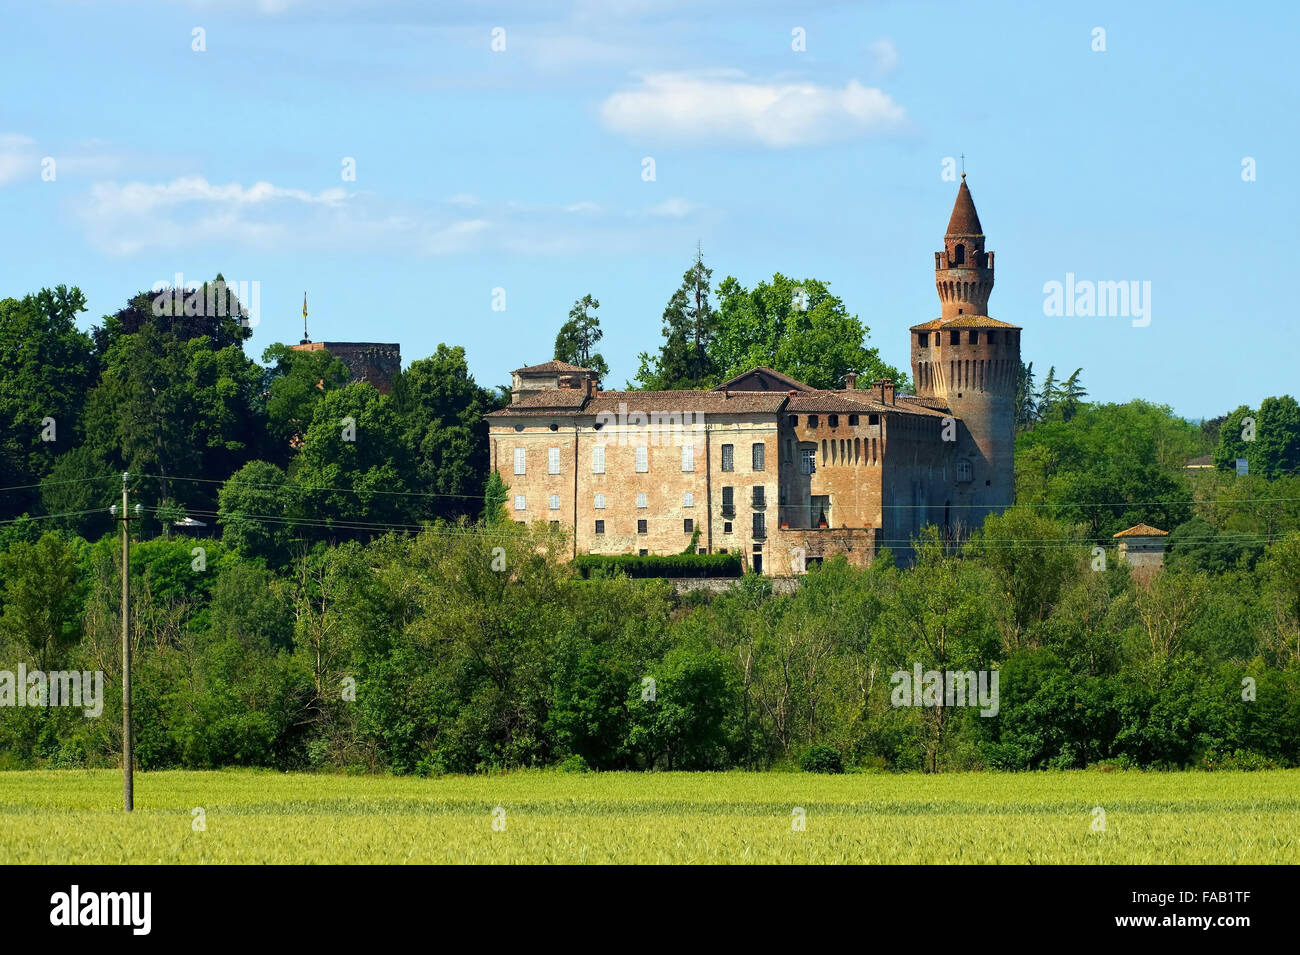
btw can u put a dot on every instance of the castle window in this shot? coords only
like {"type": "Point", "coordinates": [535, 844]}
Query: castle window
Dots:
{"type": "Point", "coordinates": [760, 526]}
{"type": "Point", "coordinates": [688, 499]}
{"type": "Point", "coordinates": [793, 420]}
{"type": "Point", "coordinates": [520, 503]}
{"type": "Point", "coordinates": [758, 452]}
{"type": "Point", "coordinates": [555, 502]}
{"type": "Point", "coordinates": [600, 502]}
{"type": "Point", "coordinates": [726, 529]}
{"type": "Point", "coordinates": [853, 421]}
{"type": "Point", "coordinates": [641, 528]}
{"type": "Point", "coordinates": [728, 457]}
{"type": "Point", "coordinates": [520, 461]}
{"type": "Point", "coordinates": [812, 421]}
{"type": "Point", "coordinates": [552, 460]}
{"type": "Point", "coordinates": [688, 457]}
{"type": "Point", "coordinates": [598, 459]}
{"type": "Point", "coordinates": [833, 420]}
{"type": "Point", "coordinates": [642, 459]}
{"type": "Point", "coordinates": [959, 254]}
{"type": "Point", "coordinates": [873, 420]}
{"type": "Point", "coordinates": [973, 338]}
{"type": "Point", "coordinates": [555, 525]}
{"type": "Point", "coordinates": [760, 498]}
{"type": "Point", "coordinates": [992, 337]}
{"type": "Point", "coordinates": [954, 338]}
{"type": "Point", "coordinates": [963, 471]}
{"type": "Point", "coordinates": [600, 527]}
{"type": "Point", "coordinates": [640, 500]}
{"type": "Point", "coordinates": [728, 501]}
{"type": "Point", "coordinates": [688, 526]}
{"type": "Point", "coordinates": [643, 552]}
{"type": "Point", "coordinates": [923, 339]}
{"type": "Point", "coordinates": [807, 460]}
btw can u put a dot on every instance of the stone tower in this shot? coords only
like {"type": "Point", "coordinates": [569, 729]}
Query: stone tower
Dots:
{"type": "Point", "coordinates": [971, 362]}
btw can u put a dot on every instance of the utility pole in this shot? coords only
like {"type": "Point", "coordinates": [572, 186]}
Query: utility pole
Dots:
{"type": "Point", "coordinates": [128, 779]}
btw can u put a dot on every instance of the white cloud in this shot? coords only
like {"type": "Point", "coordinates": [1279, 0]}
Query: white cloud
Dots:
{"type": "Point", "coordinates": [140, 197]}
{"type": "Point", "coordinates": [126, 219]}
{"type": "Point", "coordinates": [18, 158]}
{"type": "Point", "coordinates": [674, 208]}
{"type": "Point", "coordinates": [685, 107]}
{"type": "Point", "coordinates": [885, 55]}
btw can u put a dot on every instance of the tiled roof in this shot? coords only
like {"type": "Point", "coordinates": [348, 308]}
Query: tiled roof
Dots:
{"type": "Point", "coordinates": [962, 321]}
{"type": "Point", "coordinates": [548, 367]}
{"type": "Point", "coordinates": [784, 382]}
{"type": "Point", "coordinates": [565, 399]}
{"type": "Point", "coordinates": [575, 401]}
{"type": "Point", "coordinates": [860, 400]}
{"type": "Point", "coordinates": [1142, 530]}
{"type": "Point", "coordinates": [831, 401]}
{"type": "Point", "coordinates": [708, 402]}
{"type": "Point", "coordinates": [965, 220]}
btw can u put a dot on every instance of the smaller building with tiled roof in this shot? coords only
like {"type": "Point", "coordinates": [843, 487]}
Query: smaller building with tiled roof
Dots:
{"type": "Point", "coordinates": [1142, 547]}
{"type": "Point", "coordinates": [549, 375]}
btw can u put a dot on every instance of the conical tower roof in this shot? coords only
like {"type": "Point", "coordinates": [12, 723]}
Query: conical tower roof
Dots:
{"type": "Point", "coordinates": [965, 220]}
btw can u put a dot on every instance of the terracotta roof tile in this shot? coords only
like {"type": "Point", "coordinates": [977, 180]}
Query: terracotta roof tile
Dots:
{"type": "Point", "coordinates": [1142, 530]}
{"type": "Point", "coordinates": [963, 321]}
{"type": "Point", "coordinates": [785, 381]}
{"type": "Point", "coordinates": [965, 220]}
{"type": "Point", "coordinates": [547, 367]}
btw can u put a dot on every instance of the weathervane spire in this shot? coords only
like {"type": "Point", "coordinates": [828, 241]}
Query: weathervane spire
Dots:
{"type": "Point", "coordinates": [305, 339]}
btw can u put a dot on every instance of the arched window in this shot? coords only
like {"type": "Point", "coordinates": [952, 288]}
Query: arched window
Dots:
{"type": "Point", "coordinates": [959, 254]}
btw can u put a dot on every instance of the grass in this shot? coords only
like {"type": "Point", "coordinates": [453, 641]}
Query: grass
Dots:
{"type": "Point", "coordinates": [255, 816]}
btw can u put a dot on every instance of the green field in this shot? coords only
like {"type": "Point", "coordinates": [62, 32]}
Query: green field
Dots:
{"type": "Point", "coordinates": [252, 816]}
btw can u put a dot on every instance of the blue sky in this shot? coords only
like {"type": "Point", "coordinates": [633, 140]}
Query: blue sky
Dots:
{"type": "Point", "coordinates": [522, 169]}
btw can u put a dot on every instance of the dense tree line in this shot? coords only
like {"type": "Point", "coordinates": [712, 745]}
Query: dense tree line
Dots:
{"type": "Point", "coordinates": [467, 649]}
{"type": "Point", "coordinates": [362, 604]}
{"type": "Point", "coordinates": [163, 389]}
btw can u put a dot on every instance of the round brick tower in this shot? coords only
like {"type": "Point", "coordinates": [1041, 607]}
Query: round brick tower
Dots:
{"type": "Point", "coordinates": [971, 362]}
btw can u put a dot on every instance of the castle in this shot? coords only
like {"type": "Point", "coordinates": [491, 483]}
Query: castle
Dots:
{"type": "Point", "coordinates": [378, 363]}
{"type": "Point", "coordinates": [765, 466]}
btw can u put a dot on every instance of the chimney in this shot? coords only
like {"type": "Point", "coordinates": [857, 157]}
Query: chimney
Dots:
{"type": "Point", "coordinates": [885, 391]}
{"type": "Point", "coordinates": [589, 386]}
{"type": "Point", "coordinates": [851, 380]}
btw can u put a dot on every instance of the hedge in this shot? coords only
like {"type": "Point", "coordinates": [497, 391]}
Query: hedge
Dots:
{"type": "Point", "coordinates": [659, 565]}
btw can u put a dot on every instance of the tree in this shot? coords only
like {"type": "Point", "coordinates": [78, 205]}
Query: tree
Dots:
{"type": "Point", "coordinates": [211, 311]}
{"type": "Point", "coordinates": [1109, 467]}
{"type": "Point", "coordinates": [1026, 402]}
{"type": "Point", "coordinates": [576, 341]}
{"type": "Point", "coordinates": [355, 469]}
{"type": "Point", "coordinates": [80, 484]}
{"type": "Point", "coordinates": [1032, 559]}
{"type": "Point", "coordinates": [295, 382]}
{"type": "Point", "coordinates": [1071, 395]}
{"type": "Point", "coordinates": [442, 410]}
{"type": "Point", "coordinates": [796, 327]}
{"type": "Point", "coordinates": [1236, 439]}
{"type": "Point", "coordinates": [257, 507]}
{"type": "Point", "coordinates": [1197, 546]}
{"type": "Point", "coordinates": [685, 359]}
{"type": "Point", "coordinates": [42, 605]}
{"type": "Point", "coordinates": [494, 499]}
{"type": "Point", "coordinates": [1277, 444]}
{"type": "Point", "coordinates": [1049, 395]}
{"type": "Point", "coordinates": [46, 367]}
